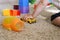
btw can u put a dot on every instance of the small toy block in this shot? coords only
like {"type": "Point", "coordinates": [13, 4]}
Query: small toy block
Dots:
{"type": "Point", "coordinates": [6, 12]}
{"type": "Point", "coordinates": [16, 13]}
{"type": "Point", "coordinates": [16, 7]}
{"type": "Point", "coordinates": [11, 12]}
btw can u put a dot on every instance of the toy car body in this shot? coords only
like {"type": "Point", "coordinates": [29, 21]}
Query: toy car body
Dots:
{"type": "Point", "coordinates": [29, 20]}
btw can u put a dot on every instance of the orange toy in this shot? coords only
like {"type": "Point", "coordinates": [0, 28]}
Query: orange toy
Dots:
{"type": "Point", "coordinates": [16, 13]}
{"type": "Point", "coordinates": [13, 23]}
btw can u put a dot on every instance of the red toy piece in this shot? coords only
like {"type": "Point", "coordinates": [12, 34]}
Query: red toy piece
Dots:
{"type": "Point", "coordinates": [16, 13]}
{"type": "Point", "coordinates": [8, 12]}
{"type": "Point", "coordinates": [11, 12]}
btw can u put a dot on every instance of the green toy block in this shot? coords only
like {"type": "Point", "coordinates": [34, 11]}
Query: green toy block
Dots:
{"type": "Point", "coordinates": [32, 1]}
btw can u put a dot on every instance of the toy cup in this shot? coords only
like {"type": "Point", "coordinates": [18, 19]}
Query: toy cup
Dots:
{"type": "Point", "coordinates": [24, 6]}
{"type": "Point", "coordinates": [13, 23]}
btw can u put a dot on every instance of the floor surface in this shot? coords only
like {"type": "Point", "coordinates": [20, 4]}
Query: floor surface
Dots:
{"type": "Point", "coordinates": [41, 30]}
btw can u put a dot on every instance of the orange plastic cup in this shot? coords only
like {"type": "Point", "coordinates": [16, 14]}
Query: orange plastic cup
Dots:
{"type": "Point", "coordinates": [13, 23]}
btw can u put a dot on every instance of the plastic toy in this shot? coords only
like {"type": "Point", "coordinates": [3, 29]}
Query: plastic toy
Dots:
{"type": "Point", "coordinates": [24, 6]}
{"type": "Point", "coordinates": [6, 12]}
{"type": "Point", "coordinates": [50, 4]}
{"type": "Point", "coordinates": [32, 1]}
{"type": "Point", "coordinates": [13, 23]}
{"type": "Point", "coordinates": [16, 13]}
{"type": "Point", "coordinates": [11, 12]}
{"type": "Point", "coordinates": [16, 7]}
{"type": "Point", "coordinates": [29, 20]}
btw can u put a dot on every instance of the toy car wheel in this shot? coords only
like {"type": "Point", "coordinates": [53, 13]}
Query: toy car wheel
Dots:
{"type": "Point", "coordinates": [29, 22]}
{"type": "Point", "coordinates": [35, 21]}
{"type": "Point", "coordinates": [22, 19]}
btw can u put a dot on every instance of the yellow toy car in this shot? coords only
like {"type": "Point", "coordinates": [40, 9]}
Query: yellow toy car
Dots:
{"type": "Point", "coordinates": [29, 20]}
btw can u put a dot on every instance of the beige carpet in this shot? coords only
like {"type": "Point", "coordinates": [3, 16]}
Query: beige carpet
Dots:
{"type": "Point", "coordinates": [41, 30]}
